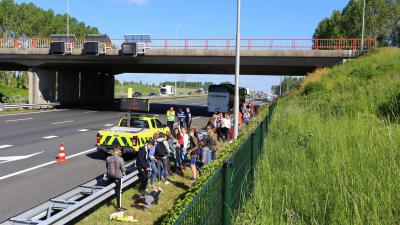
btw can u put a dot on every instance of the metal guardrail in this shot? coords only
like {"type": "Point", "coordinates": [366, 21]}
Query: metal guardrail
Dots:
{"type": "Point", "coordinates": [27, 106]}
{"type": "Point", "coordinates": [75, 202]}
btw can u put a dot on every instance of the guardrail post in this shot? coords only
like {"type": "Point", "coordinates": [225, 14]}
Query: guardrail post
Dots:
{"type": "Point", "coordinates": [227, 193]}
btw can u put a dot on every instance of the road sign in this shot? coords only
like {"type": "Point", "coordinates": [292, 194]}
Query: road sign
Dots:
{"type": "Point", "coordinates": [135, 104]}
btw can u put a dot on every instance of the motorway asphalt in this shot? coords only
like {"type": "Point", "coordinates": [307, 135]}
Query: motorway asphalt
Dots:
{"type": "Point", "coordinates": [29, 143]}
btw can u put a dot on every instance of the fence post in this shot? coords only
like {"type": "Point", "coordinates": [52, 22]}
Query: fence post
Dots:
{"type": "Point", "coordinates": [254, 152]}
{"type": "Point", "coordinates": [262, 134]}
{"type": "Point", "coordinates": [227, 192]}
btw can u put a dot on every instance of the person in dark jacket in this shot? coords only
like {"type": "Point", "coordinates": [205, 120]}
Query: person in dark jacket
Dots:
{"type": "Point", "coordinates": [188, 118]}
{"type": "Point", "coordinates": [115, 171]}
{"type": "Point", "coordinates": [143, 166]}
{"type": "Point", "coordinates": [194, 145]}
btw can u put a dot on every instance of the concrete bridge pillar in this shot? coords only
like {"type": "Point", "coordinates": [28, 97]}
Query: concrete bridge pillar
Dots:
{"type": "Point", "coordinates": [97, 89]}
{"type": "Point", "coordinates": [68, 87]}
{"type": "Point", "coordinates": [42, 86]}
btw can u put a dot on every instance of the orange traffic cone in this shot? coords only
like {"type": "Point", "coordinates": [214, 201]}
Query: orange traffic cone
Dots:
{"type": "Point", "coordinates": [61, 154]}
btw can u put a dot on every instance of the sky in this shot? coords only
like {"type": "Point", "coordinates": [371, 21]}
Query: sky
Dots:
{"type": "Point", "coordinates": [200, 19]}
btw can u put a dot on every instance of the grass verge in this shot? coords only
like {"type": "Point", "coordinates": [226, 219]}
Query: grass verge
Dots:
{"type": "Point", "coordinates": [5, 112]}
{"type": "Point", "coordinates": [11, 91]}
{"type": "Point", "coordinates": [154, 215]}
{"type": "Point", "coordinates": [332, 156]}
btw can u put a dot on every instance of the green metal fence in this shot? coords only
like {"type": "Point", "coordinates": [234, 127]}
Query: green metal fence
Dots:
{"type": "Point", "coordinates": [230, 185]}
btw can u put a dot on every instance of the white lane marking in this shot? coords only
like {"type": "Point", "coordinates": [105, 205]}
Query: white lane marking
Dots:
{"type": "Point", "coordinates": [15, 158]}
{"type": "Point", "coordinates": [109, 125]}
{"type": "Point", "coordinates": [90, 112]}
{"type": "Point", "coordinates": [9, 121]}
{"type": "Point", "coordinates": [83, 130]}
{"type": "Point", "coordinates": [50, 137]}
{"type": "Point", "coordinates": [44, 164]}
{"type": "Point", "coordinates": [5, 146]}
{"type": "Point", "coordinates": [16, 114]}
{"type": "Point", "coordinates": [68, 121]}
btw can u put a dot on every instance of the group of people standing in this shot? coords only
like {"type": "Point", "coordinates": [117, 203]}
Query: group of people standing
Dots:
{"type": "Point", "coordinates": [185, 146]}
{"type": "Point", "coordinates": [184, 118]}
{"type": "Point", "coordinates": [223, 123]}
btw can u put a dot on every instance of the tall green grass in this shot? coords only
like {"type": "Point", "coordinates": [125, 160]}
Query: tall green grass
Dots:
{"type": "Point", "coordinates": [11, 91]}
{"type": "Point", "coordinates": [333, 151]}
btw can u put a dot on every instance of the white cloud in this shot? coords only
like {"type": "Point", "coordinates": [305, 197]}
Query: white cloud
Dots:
{"type": "Point", "coordinates": [135, 2]}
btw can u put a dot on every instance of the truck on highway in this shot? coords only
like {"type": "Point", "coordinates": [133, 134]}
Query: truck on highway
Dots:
{"type": "Point", "coordinates": [131, 132]}
{"type": "Point", "coordinates": [167, 90]}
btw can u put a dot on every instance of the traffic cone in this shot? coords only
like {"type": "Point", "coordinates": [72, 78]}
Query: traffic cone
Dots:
{"type": "Point", "coordinates": [61, 154]}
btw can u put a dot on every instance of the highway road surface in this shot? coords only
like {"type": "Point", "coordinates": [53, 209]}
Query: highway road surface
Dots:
{"type": "Point", "coordinates": [29, 143]}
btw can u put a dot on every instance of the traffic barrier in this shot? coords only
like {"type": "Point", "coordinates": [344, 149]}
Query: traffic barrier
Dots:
{"type": "Point", "coordinates": [70, 205]}
{"type": "Point", "coordinates": [61, 154]}
{"type": "Point", "coordinates": [27, 106]}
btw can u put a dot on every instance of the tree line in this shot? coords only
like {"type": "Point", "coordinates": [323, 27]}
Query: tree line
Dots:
{"type": "Point", "coordinates": [189, 84]}
{"type": "Point", "coordinates": [382, 21]}
{"type": "Point", "coordinates": [28, 20]}
{"type": "Point", "coordinates": [287, 84]}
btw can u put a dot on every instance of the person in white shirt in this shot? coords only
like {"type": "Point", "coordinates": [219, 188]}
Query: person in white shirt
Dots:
{"type": "Point", "coordinates": [225, 126]}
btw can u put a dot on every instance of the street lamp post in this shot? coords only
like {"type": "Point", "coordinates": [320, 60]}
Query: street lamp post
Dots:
{"type": "Point", "coordinates": [67, 19]}
{"type": "Point", "coordinates": [237, 75]}
{"type": "Point", "coordinates": [363, 27]}
{"type": "Point", "coordinates": [177, 26]}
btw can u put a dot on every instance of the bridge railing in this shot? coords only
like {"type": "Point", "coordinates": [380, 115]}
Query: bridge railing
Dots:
{"type": "Point", "coordinates": [215, 44]}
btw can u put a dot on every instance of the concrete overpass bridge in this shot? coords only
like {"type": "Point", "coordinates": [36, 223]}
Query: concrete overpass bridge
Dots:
{"type": "Point", "coordinates": [89, 79]}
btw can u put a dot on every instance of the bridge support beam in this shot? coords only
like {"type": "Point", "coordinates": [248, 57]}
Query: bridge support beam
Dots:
{"type": "Point", "coordinates": [97, 89]}
{"type": "Point", "coordinates": [68, 87]}
{"type": "Point", "coordinates": [42, 86]}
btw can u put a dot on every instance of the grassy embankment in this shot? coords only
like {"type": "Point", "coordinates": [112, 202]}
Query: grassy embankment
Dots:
{"type": "Point", "coordinates": [333, 156]}
{"type": "Point", "coordinates": [10, 91]}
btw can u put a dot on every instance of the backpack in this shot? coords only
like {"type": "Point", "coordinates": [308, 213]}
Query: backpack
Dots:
{"type": "Point", "coordinates": [161, 150]}
{"type": "Point", "coordinates": [113, 171]}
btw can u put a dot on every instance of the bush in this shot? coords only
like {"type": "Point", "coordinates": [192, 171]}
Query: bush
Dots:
{"type": "Point", "coordinates": [313, 87]}
{"type": "Point", "coordinates": [390, 110]}
{"type": "Point", "coordinates": [362, 72]}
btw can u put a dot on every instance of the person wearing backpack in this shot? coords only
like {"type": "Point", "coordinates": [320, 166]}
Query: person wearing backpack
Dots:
{"type": "Point", "coordinates": [161, 154]}
{"type": "Point", "coordinates": [143, 165]}
{"type": "Point", "coordinates": [115, 171]}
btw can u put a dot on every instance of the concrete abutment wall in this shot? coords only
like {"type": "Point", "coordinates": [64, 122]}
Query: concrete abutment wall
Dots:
{"type": "Point", "coordinates": [42, 86]}
{"type": "Point", "coordinates": [70, 88]}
